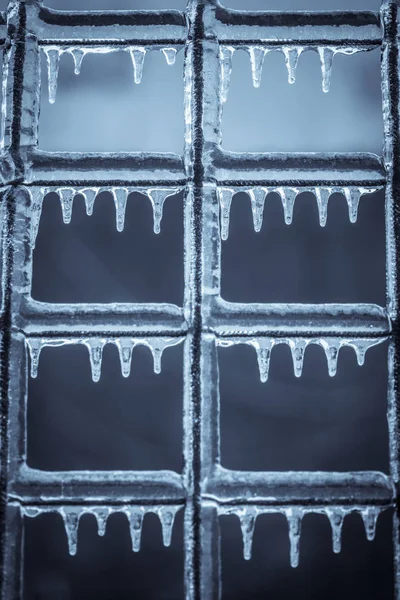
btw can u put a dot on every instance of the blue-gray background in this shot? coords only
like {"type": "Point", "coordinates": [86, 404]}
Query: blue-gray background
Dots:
{"type": "Point", "coordinates": [312, 423]}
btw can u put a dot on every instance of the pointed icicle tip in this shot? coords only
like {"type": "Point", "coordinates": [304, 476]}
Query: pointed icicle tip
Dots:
{"type": "Point", "coordinates": [157, 197]}
{"type": "Point", "coordinates": [326, 56]}
{"type": "Point", "coordinates": [257, 198]}
{"type": "Point", "coordinates": [78, 56]}
{"type": "Point", "coordinates": [298, 347]}
{"type": "Point", "coordinates": [95, 347]}
{"type": "Point", "coordinates": [157, 347]}
{"type": "Point", "coordinates": [53, 62]}
{"type": "Point", "coordinates": [225, 57]}
{"type": "Point", "coordinates": [137, 55]}
{"type": "Point", "coordinates": [294, 517]}
{"type": "Point", "coordinates": [167, 514]}
{"type": "Point", "coordinates": [120, 196]}
{"type": "Point", "coordinates": [35, 346]}
{"type": "Point", "coordinates": [322, 195]}
{"type": "Point", "coordinates": [125, 348]}
{"type": "Point", "coordinates": [66, 196]}
{"type": "Point", "coordinates": [292, 55]}
{"type": "Point", "coordinates": [101, 514]}
{"type": "Point", "coordinates": [288, 198]}
{"type": "Point", "coordinates": [135, 516]}
{"type": "Point", "coordinates": [36, 195]}
{"type": "Point", "coordinates": [170, 55]}
{"type": "Point", "coordinates": [247, 524]}
{"type": "Point", "coordinates": [336, 517]}
{"type": "Point", "coordinates": [257, 56]}
{"type": "Point", "coordinates": [370, 517]}
{"type": "Point", "coordinates": [263, 347]}
{"type": "Point", "coordinates": [332, 348]}
{"type": "Point", "coordinates": [89, 195]}
{"type": "Point", "coordinates": [352, 196]}
{"type": "Point", "coordinates": [71, 517]}
{"type": "Point", "coordinates": [225, 196]}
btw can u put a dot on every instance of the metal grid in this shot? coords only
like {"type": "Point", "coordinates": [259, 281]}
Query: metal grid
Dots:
{"type": "Point", "coordinates": [210, 176]}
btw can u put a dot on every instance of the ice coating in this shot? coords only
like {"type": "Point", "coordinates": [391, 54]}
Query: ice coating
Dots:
{"type": "Point", "coordinates": [331, 346]}
{"type": "Point", "coordinates": [288, 196]}
{"type": "Point", "coordinates": [95, 346]}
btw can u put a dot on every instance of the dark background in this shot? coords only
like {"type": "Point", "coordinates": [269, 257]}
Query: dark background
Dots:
{"type": "Point", "coordinates": [315, 422]}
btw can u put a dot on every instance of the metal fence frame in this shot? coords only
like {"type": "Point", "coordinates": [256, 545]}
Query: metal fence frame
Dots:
{"type": "Point", "coordinates": [205, 489]}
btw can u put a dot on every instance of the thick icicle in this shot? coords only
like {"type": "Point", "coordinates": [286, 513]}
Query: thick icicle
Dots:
{"type": "Point", "coordinates": [263, 347]}
{"type": "Point", "coordinates": [35, 346]}
{"type": "Point", "coordinates": [170, 55]}
{"type": "Point", "coordinates": [95, 347]}
{"type": "Point", "coordinates": [336, 517]}
{"type": "Point", "coordinates": [332, 348]}
{"type": "Point", "coordinates": [247, 524]}
{"type": "Point", "coordinates": [257, 198]}
{"type": "Point", "coordinates": [294, 517]}
{"type": "Point", "coordinates": [89, 195]}
{"type": "Point", "coordinates": [292, 56]}
{"type": "Point", "coordinates": [157, 197]}
{"type": "Point", "coordinates": [298, 347]}
{"type": "Point", "coordinates": [288, 197]}
{"type": "Point", "coordinates": [352, 196]}
{"type": "Point", "coordinates": [322, 196]}
{"type": "Point", "coordinates": [157, 346]}
{"type": "Point", "coordinates": [78, 55]}
{"type": "Point", "coordinates": [71, 516]}
{"type": "Point", "coordinates": [370, 516]}
{"type": "Point", "coordinates": [257, 55]}
{"type": "Point", "coordinates": [225, 196]}
{"type": "Point", "coordinates": [125, 348]}
{"type": "Point", "coordinates": [120, 196]}
{"type": "Point", "coordinates": [36, 195]}
{"type": "Point", "coordinates": [101, 514]}
{"type": "Point", "coordinates": [326, 56]}
{"type": "Point", "coordinates": [166, 514]}
{"type": "Point", "coordinates": [53, 61]}
{"type": "Point", "coordinates": [225, 56]}
{"type": "Point", "coordinates": [135, 516]}
{"type": "Point", "coordinates": [67, 198]}
{"type": "Point", "coordinates": [137, 56]}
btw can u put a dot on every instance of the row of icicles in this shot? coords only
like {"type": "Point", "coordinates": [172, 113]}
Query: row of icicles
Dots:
{"type": "Point", "coordinates": [157, 197]}
{"type": "Point", "coordinates": [95, 346]}
{"type": "Point", "coordinates": [247, 515]}
{"type": "Point", "coordinates": [288, 196]}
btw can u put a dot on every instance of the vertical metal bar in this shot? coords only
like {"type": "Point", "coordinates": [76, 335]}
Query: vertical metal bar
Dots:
{"type": "Point", "coordinates": [391, 156]}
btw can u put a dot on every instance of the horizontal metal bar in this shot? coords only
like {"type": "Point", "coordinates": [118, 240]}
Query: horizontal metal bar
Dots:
{"type": "Point", "coordinates": [299, 487]}
{"type": "Point", "coordinates": [353, 29]}
{"type": "Point", "coordinates": [113, 319]}
{"type": "Point", "coordinates": [32, 486]}
{"type": "Point", "coordinates": [234, 319]}
{"type": "Point", "coordinates": [363, 169]}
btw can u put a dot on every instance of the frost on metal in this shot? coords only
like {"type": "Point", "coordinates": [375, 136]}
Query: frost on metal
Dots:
{"type": "Point", "coordinates": [209, 35]}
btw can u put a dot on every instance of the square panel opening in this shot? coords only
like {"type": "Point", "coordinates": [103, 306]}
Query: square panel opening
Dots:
{"type": "Point", "coordinates": [361, 571]}
{"type": "Point", "coordinates": [278, 117]}
{"type": "Point", "coordinates": [103, 567]}
{"type": "Point", "coordinates": [103, 110]}
{"type": "Point", "coordinates": [315, 422]}
{"type": "Point", "coordinates": [132, 423]}
{"type": "Point", "coordinates": [88, 260]}
{"type": "Point", "coordinates": [303, 262]}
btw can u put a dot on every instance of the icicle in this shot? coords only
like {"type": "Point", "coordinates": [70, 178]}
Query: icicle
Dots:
{"type": "Point", "coordinates": [257, 55]}
{"type": "Point", "coordinates": [322, 196]}
{"type": "Point", "coordinates": [77, 55]}
{"type": "Point", "coordinates": [137, 56]}
{"type": "Point", "coordinates": [35, 346]}
{"type": "Point", "coordinates": [288, 197]}
{"type": "Point", "coordinates": [370, 517]}
{"type": "Point", "coordinates": [294, 517]}
{"type": "Point", "coordinates": [157, 347]}
{"type": "Point", "coordinates": [292, 56]}
{"type": "Point", "coordinates": [225, 57]}
{"type": "Point", "coordinates": [225, 196]}
{"type": "Point", "coordinates": [120, 196]}
{"type": "Point", "coordinates": [263, 347]}
{"type": "Point", "coordinates": [157, 197]}
{"type": "Point", "coordinates": [170, 55]}
{"type": "Point", "coordinates": [90, 196]}
{"type": "Point", "coordinates": [71, 518]}
{"type": "Point", "coordinates": [67, 198]}
{"type": "Point", "coordinates": [125, 348]}
{"type": "Point", "coordinates": [360, 348]}
{"type": "Point", "coordinates": [166, 514]}
{"type": "Point", "coordinates": [101, 513]}
{"type": "Point", "coordinates": [247, 524]}
{"type": "Point", "coordinates": [36, 196]}
{"type": "Point", "coordinates": [353, 196]}
{"type": "Point", "coordinates": [95, 347]}
{"type": "Point", "coordinates": [135, 517]}
{"type": "Point", "coordinates": [257, 198]}
{"type": "Point", "coordinates": [326, 56]}
{"type": "Point", "coordinates": [336, 517]}
{"type": "Point", "coordinates": [53, 61]}
{"type": "Point", "coordinates": [332, 348]}
{"type": "Point", "coordinates": [298, 347]}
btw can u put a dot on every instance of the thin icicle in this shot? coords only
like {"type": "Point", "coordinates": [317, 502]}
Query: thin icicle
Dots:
{"type": "Point", "coordinates": [326, 56]}
{"type": "Point", "coordinates": [263, 347]}
{"type": "Point", "coordinates": [71, 516]}
{"type": "Point", "coordinates": [166, 514]}
{"type": "Point", "coordinates": [298, 347]}
{"type": "Point", "coordinates": [157, 197]}
{"type": "Point", "coordinates": [36, 195]}
{"type": "Point", "coordinates": [225, 57]}
{"type": "Point", "coordinates": [35, 346]}
{"type": "Point", "coordinates": [225, 196]}
{"type": "Point", "coordinates": [294, 517]}
{"type": "Point", "coordinates": [66, 198]}
{"type": "Point", "coordinates": [257, 56]}
{"type": "Point", "coordinates": [288, 197]}
{"type": "Point", "coordinates": [332, 348]}
{"type": "Point", "coordinates": [95, 347]}
{"type": "Point", "coordinates": [336, 517]}
{"type": "Point", "coordinates": [292, 56]}
{"type": "Point", "coordinates": [322, 195]}
{"type": "Point", "coordinates": [137, 56]}
{"type": "Point", "coordinates": [247, 524]}
{"type": "Point", "coordinates": [170, 55]}
{"type": "Point", "coordinates": [352, 196]}
{"type": "Point", "coordinates": [125, 348]}
{"type": "Point", "coordinates": [257, 198]}
{"type": "Point", "coordinates": [53, 62]}
{"type": "Point", "coordinates": [157, 346]}
{"type": "Point", "coordinates": [101, 514]}
{"type": "Point", "coordinates": [120, 196]}
{"type": "Point", "coordinates": [89, 195]}
{"type": "Point", "coordinates": [360, 346]}
{"type": "Point", "coordinates": [78, 55]}
{"type": "Point", "coordinates": [370, 516]}
{"type": "Point", "coordinates": [135, 516]}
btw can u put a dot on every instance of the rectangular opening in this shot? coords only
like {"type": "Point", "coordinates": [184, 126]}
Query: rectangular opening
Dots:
{"type": "Point", "coordinates": [132, 423]}
{"type": "Point", "coordinates": [88, 260]}
{"type": "Point", "coordinates": [316, 422]}
{"type": "Point", "coordinates": [303, 262]}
